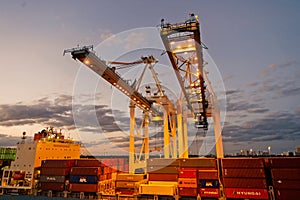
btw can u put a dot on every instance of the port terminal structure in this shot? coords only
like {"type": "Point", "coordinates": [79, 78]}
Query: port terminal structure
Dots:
{"type": "Point", "coordinates": [197, 99]}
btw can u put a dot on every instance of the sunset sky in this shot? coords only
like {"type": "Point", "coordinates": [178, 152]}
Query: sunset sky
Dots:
{"type": "Point", "coordinates": [254, 44]}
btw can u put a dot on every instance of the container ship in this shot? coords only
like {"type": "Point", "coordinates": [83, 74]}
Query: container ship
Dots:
{"type": "Point", "coordinates": [50, 166]}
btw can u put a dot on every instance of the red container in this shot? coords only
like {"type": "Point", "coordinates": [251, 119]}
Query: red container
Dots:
{"type": "Point", "coordinates": [284, 162]}
{"type": "Point", "coordinates": [246, 193]}
{"type": "Point", "coordinates": [245, 183]}
{"type": "Point", "coordinates": [128, 192]}
{"type": "Point", "coordinates": [285, 173]}
{"type": "Point", "coordinates": [55, 171]}
{"type": "Point", "coordinates": [198, 163]}
{"type": "Point", "coordinates": [208, 174]}
{"type": "Point", "coordinates": [209, 192]}
{"type": "Point", "coordinates": [242, 163]}
{"type": "Point", "coordinates": [187, 173]}
{"type": "Point", "coordinates": [162, 177]}
{"type": "Point", "coordinates": [244, 173]}
{"type": "Point", "coordinates": [285, 194]}
{"type": "Point", "coordinates": [286, 184]}
{"type": "Point", "coordinates": [52, 186]}
{"type": "Point", "coordinates": [187, 182]}
{"type": "Point", "coordinates": [88, 163]}
{"type": "Point", "coordinates": [93, 171]}
{"type": "Point", "coordinates": [58, 163]}
{"type": "Point", "coordinates": [78, 187]}
{"type": "Point", "coordinates": [187, 192]}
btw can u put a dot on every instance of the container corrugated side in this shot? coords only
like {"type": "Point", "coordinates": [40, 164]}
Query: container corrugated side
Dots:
{"type": "Point", "coordinates": [187, 182]}
{"type": "Point", "coordinates": [187, 192]}
{"type": "Point", "coordinates": [198, 163]}
{"type": "Point", "coordinates": [287, 194]}
{"type": "Point", "coordinates": [244, 183]}
{"type": "Point", "coordinates": [187, 173]}
{"type": "Point", "coordinates": [55, 171]}
{"type": "Point", "coordinates": [244, 173]}
{"type": "Point", "coordinates": [209, 192]}
{"type": "Point", "coordinates": [208, 174]}
{"type": "Point", "coordinates": [286, 173]}
{"type": "Point", "coordinates": [93, 171]}
{"type": "Point", "coordinates": [58, 163]}
{"type": "Point", "coordinates": [242, 163]}
{"type": "Point", "coordinates": [52, 186]}
{"type": "Point", "coordinates": [52, 179]}
{"type": "Point", "coordinates": [78, 187]}
{"type": "Point", "coordinates": [162, 177]}
{"type": "Point", "coordinates": [246, 193]}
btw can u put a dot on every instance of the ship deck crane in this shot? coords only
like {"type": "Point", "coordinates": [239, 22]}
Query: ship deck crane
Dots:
{"type": "Point", "coordinates": [87, 56]}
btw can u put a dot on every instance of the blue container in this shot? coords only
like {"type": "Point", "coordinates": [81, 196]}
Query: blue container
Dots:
{"type": "Point", "coordinates": [83, 179]}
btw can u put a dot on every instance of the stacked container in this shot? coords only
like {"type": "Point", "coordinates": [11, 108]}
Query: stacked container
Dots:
{"type": "Point", "coordinates": [54, 173]}
{"type": "Point", "coordinates": [128, 184]}
{"type": "Point", "coordinates": [162, 177]}
{"type": "Point", "coordinates": [244, 178]}
{"type": "Point", "coordinates": [84, 176]}
{"type": "Point", "coordinates": [285, 173]}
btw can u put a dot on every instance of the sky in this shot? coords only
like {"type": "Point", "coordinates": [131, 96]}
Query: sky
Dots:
{"type": "Point", "coordinates": [255, 46]}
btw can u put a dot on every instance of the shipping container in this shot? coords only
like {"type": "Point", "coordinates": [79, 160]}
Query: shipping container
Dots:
{"type": "Point", "coordinates": [157, 189]}
{"type": "Point", "coordinates": [208, 183]}
{"type": "Point", "coordinates": [88, 163]}
{"type": "Point", "coordinates": [163, 162]}
{"type": "Point", "coordinates": [245, 183]}
{"type": "Point", "coordinates": [246, 193]}
{"type": "Point", "coordinates": [242, 163]}
{"type": "Point", "coordinates": [93, 171]}
{"type": "Point", "coordinates": [52, 186]}
{"type": "Point", "coordinates": [187, 173]}
{"type": "Point", "coordinates": [125, 192]}
{"type": "Point", "coordinates": [83, 179]}
{"type": "Point", "coordinates": [131, 177]}
{"type": "Point", "coordinates": [187, 182]}
{"type": "Point", "coordinates": [55, 171]}
{"type": "Point", "coordinates": [187, 192]}
{"type": "Point", "coordinates": [208, 174]}
{"type": "Point", "coordinates": [209, 192]}
{"type": "Point", "coordinates": [126, 184]}
{"type": "Point", "coordinates": [198, 163]}
{"type": "Point", "coordinates": [286, 173]}
{"type": "Point", "coordinates": [244, 173]}
{"type": "Point", "coordinates": [52, 179]}
{"type": "Point", "coordinates": [286, 194]}
{"type": "Point", "coordinates": [58, 163]}
{"type": "Point", "coordinates": [162, 177]}
{"type": "Point", "coordinates": [78, 187]}
{"type": "Point", "coordinates": [162, 170]}
{"type": "Point", "coordinates": [286, 184]}
{"type": "Point", "coordinates": [284, 162]}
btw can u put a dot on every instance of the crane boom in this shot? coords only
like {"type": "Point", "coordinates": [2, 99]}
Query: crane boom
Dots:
{"type": "Point", "coordinates": [86, 55]}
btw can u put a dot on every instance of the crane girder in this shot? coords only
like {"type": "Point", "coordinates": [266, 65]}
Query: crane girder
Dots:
{"type": "Point", "coordinates": [183, 46]}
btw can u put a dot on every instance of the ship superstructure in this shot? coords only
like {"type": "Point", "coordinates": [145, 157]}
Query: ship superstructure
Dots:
{"type": "Point", "coordinates": [47, 144]}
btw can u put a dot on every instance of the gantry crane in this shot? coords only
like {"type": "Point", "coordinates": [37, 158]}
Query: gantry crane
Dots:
{"type": "Point", "coordinates": [107, 71]}
{"type": "Point", "coordinates": [184, 47]}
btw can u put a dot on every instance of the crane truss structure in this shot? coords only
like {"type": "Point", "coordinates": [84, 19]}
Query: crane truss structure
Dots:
{"type": "Point", "coordinates": [184, 48]}
{"type": "Point", "coordinates": [137, 160]}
